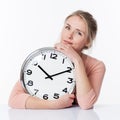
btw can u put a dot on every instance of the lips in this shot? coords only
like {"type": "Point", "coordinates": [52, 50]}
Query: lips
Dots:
{"type": "Point", "coordinates": [67, 42]}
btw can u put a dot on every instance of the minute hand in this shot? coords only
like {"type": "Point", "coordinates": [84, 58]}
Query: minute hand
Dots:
{"type": "Point", "coordinates": [69, 70]}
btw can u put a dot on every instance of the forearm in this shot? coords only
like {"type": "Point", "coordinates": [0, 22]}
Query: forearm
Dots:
{"type": "Point", "coordinates": [36, 103]}
{"type": "Point", "coordinates": [85, 94]}
{"type": "Point", "coordinates": [83, 85]}
{"type": "Point", "coordinates": [20, 99]}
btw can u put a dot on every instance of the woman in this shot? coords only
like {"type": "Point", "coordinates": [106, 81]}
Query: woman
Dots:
{"type": "Point", "coordinates": [78, 33]}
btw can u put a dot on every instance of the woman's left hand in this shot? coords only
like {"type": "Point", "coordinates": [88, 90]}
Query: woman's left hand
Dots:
{"type": "Point", "coordinates": [68, 50]}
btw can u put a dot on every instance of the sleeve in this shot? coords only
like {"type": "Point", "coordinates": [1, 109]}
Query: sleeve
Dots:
{"type": "Point", "coordinates": [95, 76]}
{"type": "Point", "coordinates": [18, 97]}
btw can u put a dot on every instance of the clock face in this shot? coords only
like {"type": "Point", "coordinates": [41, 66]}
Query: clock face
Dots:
{"type": "Point", "coordinates": [47, 74]}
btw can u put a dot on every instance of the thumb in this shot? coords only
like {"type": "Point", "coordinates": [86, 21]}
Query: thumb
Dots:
{"type": "Point", "coordinates": [72, 96]}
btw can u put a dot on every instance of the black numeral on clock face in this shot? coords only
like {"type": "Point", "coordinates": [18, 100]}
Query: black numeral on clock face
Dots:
{"type": "Point", "coordinates": [63, 61]}
{"type": "Point", "coordinates": [30, 83]}
{"type": "Point", "coordinates": [70, 80]}
{"type": "Point", "coordinates": [29, 72]}
{"type": "Point", "coordinates": [44, 56]}
{"type": "Point", "coordinates": [45, 96]}
{"type": "Point", "coordinates": [36, 91]}
{"type": "Point", "coordinates": [70, 69]}
{"type": "Point", "coordinates": [56, 95]}
{"type": "Point", "coordinates": [53, 56]}
{"type": "Point", "coordinates": [65, 90]}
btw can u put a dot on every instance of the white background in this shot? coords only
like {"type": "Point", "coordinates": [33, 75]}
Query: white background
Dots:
{"type": "Point", "coordinates": [26, 25]}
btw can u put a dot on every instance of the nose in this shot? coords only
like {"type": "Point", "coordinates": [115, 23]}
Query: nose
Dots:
{"type": "Point", "coordinates": [70, 35]}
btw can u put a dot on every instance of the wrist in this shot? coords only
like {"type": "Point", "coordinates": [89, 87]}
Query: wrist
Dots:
{"type": "Point", "coordinates": [53, 104]}
{"type": "Point", "coordinates": [77, 61]}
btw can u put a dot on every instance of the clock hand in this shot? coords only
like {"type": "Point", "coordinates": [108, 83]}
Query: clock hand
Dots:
{"type": "Point", "coordinates": [48, 76]}
{"type": "Point", "coordinates": [69, 70]}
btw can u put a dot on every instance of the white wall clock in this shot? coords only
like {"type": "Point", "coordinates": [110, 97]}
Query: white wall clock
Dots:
{"type": "Point", "coordinates": [47, 74]}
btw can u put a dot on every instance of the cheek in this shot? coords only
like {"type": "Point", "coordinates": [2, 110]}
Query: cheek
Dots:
{"type": "Point", "coordinates": [62, 37]}
{"type": "Point", "coordinates": [78, 45]}
{"type": "Point", "coordinates": [63, 34]}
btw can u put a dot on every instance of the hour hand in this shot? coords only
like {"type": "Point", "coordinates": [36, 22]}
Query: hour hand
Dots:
{"type": "Point", "coordinates": [68, 70]}
{"type": "Point", "coordinates": [48, 76]}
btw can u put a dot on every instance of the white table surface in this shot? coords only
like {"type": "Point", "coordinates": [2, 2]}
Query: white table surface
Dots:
{"type": "Point", "coordinates": [99, 112]}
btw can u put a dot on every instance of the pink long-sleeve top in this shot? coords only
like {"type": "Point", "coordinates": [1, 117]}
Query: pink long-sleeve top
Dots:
{"type": "Point", "coordinates": [95, 70]}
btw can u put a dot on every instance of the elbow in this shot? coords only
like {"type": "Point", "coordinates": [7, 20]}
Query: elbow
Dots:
{"type": "Point", "coordinates": [86, 106]}
{"type": "Point", "coordinates": [11, 103]}
{"type": "Point", "coordinates": [87, 103]}
{"type": "Point", "coordinates": [18, 101]}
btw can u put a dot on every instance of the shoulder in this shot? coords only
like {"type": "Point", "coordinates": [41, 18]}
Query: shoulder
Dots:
{"type": "Point", "coordinates": [93, 64]}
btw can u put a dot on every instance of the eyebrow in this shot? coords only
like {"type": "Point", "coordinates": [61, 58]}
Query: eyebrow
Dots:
{"type": "Point", "coordinates": [76, 28]}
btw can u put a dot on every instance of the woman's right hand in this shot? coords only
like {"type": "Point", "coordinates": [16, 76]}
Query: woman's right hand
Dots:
{"type": "Point", "coordinates": [64, 101]}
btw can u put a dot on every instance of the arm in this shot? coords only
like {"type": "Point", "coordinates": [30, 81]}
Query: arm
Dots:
{"type": "Point", "coordinates": [20, 99]}
{"type": "Point", "coordinates": [88, 84]}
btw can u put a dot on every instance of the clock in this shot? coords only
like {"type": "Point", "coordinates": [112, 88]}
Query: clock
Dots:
{"type": "Point", "coordinates": [48, 74]}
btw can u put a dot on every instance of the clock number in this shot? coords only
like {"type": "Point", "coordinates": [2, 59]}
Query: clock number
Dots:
{"type": "Point", "coordinates": [63, 61]}
{"type": "Point", "coordinates": [29, 72]}
{"type": "Point", "coordinates": [36, 91]}
{"type": "Point", "coordinates": [44, 56]}
{"type": "Point", "coordinates": [45, 96]}
{"type": "Point", "coordinates": [56, 95]}
{"type": "Point", "coordinates": [30, 83]}
{"type": "Point", "coordinates": [69, 69]}
{"type": "Point", "coordinates": [53, 56]}
{"type": "Point", "coordinates": [65, 90]}
{"type": "Point", "coordinates": [70, 80]}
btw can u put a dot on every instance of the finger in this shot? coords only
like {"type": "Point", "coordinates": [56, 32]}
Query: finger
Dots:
{"type": "Point", "coordinates": [59, 47]}
{"type": "Point", "coordinates": [72, 96]}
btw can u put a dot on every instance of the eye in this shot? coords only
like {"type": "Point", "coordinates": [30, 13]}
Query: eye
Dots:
{"type": "Point", "coordinates": [79, 33]}
{"type": "Point", "coordinates": [67, 27]}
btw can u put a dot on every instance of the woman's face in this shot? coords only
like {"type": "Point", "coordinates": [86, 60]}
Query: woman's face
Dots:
{"type": "Point", "coordinates": [74, 33]}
